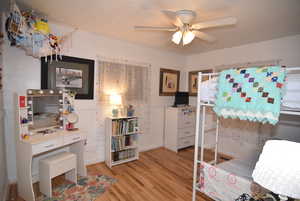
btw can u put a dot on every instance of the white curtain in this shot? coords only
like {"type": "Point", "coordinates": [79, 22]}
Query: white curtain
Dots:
{"type": "Point", "coordinates": [132, 82]}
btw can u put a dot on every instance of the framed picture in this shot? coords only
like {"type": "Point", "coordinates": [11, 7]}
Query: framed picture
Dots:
{"type": "Point", "coordinates": [193, 81]}
{"type": "Point", "coordinates": [71, 73]}
{"type": "Point", "coordinates": [169, 82]}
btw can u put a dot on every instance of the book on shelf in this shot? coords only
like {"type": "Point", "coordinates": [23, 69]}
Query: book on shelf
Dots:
{"type": "Point", "coordinates": [122, 142]}
{"type": "Point", "coordinates": [123, 155]}
{"type": "Point", "coordinates": [124, 126]}
{"type": "Point", "coordinates": [122, 136]}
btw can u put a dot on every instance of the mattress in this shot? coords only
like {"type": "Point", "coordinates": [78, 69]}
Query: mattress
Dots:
{"type": "Point", "coordinates": [208, 90]}
{"type": "Point", "coordinates": [292, 92]}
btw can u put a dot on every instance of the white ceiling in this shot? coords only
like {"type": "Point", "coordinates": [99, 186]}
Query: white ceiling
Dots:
{"type": "Point", "coordinates": [258, 20]}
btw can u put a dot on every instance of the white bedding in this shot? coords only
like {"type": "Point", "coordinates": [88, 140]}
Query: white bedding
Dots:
{"type": "Point", "coordinates": [208, 90]}
{"type": "Point", "coordinates": [292, 91]}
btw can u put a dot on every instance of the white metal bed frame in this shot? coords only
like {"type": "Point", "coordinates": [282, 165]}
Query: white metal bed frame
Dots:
{"type": "Point", "coordinates": [210, 104]}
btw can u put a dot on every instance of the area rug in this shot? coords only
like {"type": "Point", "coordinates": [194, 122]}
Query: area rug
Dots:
{"type": "Point", "coordinates": [87, 189]}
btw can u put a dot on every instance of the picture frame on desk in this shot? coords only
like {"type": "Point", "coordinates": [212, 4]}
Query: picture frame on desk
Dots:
{"type": "Point", "coordinates": [72, 73]}
{"type": "Point", "coordinates": [193, 80]}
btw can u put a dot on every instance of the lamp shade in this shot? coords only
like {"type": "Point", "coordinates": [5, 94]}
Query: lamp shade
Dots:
{"type": "Point", "coordinates": [188, 37]}
{"type": "Point", "coordinates": [278, 168]}
{"type": "Point", "coordinates": [115, 99]}
{"type": "Point", "coordinates": [176, 38]}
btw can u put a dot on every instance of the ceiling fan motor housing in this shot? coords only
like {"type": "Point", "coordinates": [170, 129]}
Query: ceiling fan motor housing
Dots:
{"type": "Point", "coordinates": [186, 16]}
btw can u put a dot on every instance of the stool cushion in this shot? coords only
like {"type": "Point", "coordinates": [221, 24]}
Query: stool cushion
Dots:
{"type": "Point", "coordinates": [52, 166]}
{"type": "Point", "coordinates": [58, 164]}
{"type": "Point", "coordinates": [58, 158]}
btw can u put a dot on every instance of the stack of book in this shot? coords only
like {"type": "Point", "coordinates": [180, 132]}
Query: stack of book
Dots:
{"type": "Point", "coordinates": [119, 143]}
{"type": "Point", "coordinates": [124, 126]}
{"type": "Point", "coordinates": [123, 155]}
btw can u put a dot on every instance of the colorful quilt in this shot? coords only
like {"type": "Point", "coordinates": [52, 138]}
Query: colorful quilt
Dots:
{"type": "Point", "coordinates": [252, 94]}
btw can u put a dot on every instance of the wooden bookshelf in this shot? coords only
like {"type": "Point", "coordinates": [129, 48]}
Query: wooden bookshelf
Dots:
{"type": "Point", "coordinates": [121, 140]}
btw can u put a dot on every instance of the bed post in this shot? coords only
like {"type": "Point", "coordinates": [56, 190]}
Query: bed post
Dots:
{"type": "Point", "coordinates": [217, 142]}
{"type": "Point", "coordinates": [197, 137]}
{"type": "Point", "coordinates": [202, 133]}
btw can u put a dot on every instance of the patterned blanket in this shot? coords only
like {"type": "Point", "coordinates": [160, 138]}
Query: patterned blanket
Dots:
{"type": "Point", "coordinates": [250, 94]}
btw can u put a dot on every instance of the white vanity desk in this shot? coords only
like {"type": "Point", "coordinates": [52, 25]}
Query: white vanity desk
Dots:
{"type": "Point", "coordinates": [41, 144]}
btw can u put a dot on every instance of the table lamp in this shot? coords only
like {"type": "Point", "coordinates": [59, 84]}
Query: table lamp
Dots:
{"type": "Point", "coordinates": [278, 168]}
{"type": "Point", "coordinates": [115, 100]}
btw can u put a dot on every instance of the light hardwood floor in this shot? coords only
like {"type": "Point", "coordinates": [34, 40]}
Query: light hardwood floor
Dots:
{"type": "Point", "coordinates": [159, 174]}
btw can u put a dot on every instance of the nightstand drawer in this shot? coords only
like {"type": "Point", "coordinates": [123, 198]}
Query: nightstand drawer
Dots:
{"type": "Point", "coordinates": [186, 132]}
{"type": "Point", "coordinates": [186, 142]}
{"type": "Point", "coordinates": [46, 146]}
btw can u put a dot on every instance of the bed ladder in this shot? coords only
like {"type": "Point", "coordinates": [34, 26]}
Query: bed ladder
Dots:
{"type": "Point", "coordinates": [197, 162]}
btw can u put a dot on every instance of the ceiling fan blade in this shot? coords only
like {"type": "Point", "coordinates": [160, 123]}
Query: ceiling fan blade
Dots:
{"type": "Point", "coordinates": [204, 36]}
{"type": "Point", "coordinates": [149, 28]}
{"type": "Point", "coordinates": [173, 17]}
{"type": "Point", "coordinates": [215, 23]}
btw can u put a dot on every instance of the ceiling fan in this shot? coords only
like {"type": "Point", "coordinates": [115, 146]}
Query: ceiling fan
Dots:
{"type": "Point", "coordinates": [185, 30]}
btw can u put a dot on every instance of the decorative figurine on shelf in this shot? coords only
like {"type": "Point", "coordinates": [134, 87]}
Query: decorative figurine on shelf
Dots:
{"type": "Point", "coordinates": [115, 100]}
{"type": "Point", "coordinates": [72, 119]}
{"type": "Point", "coordinates": [130, 111]}
{"type": "Point", "coordinates": [69, 110]}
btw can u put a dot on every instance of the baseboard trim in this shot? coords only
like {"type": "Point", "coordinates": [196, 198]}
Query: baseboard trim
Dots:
{"type": "Point", "coordinates": [150, 148]}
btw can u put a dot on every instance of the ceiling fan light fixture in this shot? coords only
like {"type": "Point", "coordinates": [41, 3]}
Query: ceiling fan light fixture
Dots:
{"type": "Point", "coordinates": [176, 38]}
{"type": "Point", "coordinates": [185, 29]}
{"type": "Point", "coordinates": [188, 37]}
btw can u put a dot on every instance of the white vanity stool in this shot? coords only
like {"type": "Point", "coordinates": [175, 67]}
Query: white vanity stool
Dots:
{"type": "Point", "coordinates": [55, 165]}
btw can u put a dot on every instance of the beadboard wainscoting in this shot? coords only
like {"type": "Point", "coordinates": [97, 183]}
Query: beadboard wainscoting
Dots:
{"type": "Point", "coordinates": [24, 73]}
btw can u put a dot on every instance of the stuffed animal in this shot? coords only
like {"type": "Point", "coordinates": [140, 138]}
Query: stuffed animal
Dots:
{"type": "Point", "coordinates": [42, 26]}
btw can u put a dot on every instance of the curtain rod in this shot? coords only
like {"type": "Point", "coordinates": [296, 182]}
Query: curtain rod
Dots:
{"type": "Point", "coordinates": [253, 63]}
{"type": "Point", "coordinates": [122, 61]}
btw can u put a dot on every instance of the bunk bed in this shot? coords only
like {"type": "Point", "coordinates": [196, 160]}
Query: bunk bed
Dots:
{"type": "Point", "coordinates": [228, 180]}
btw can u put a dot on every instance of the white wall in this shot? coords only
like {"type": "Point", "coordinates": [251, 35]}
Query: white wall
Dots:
{"type": "Point", "coordinates": [3, 164]}
{"type": "Point", "coordinates": [286, 48]}
{"type": "Point", "coordinates": [23, 72]}
{"type": "Point", "coordinates": [239, 140]}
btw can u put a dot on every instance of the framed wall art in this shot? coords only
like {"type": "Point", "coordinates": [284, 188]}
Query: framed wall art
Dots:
{"type": "Point", "coordinates": [71, 73]}
{"type": "Point", "coordinates": [169, 82]}
{"type": "Point", "coordinates": [193, 80]}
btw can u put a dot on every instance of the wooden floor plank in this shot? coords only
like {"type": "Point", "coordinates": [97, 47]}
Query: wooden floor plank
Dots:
{"type": "Point", "coordinates": [159, 174]}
